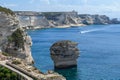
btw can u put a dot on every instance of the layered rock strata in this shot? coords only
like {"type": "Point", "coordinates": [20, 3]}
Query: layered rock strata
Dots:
{"type": "Point", "coordinates": [8, 25]}
{"type": "Point", "coordinates": [94, 19]}
{"type": "Point", "coordinates": [15, 43]}
{"type": "Point", "coordinates": [35, 20]}
{"type": "Point", "coordinates": [64, 54]}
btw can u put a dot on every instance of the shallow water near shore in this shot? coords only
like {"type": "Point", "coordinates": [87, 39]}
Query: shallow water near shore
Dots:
{"type": "Point", "coordinates": [99, 51]}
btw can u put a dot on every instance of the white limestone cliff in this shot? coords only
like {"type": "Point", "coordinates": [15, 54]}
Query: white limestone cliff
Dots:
{"type": "Point", "coordinates": [9, 24]}
{"type": "Point", "coordinates": [64, 54]}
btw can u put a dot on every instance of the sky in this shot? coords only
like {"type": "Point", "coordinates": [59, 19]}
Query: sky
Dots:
{"type": "Point", "coordinates": [103, 7]}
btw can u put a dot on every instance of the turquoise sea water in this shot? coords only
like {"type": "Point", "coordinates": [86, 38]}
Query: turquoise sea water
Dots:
{"type": "Point", "coordinates": [99, 51]}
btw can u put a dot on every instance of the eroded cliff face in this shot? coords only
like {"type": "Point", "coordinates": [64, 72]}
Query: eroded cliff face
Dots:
{"type": "Point", "coordinates": [94, 19]}
{"type": "Point", "coordinates": [16, 42]}
{"type": "Point", "coordinates": [18, 46]}
{"type": "Point", "coordinates": [47, 19]}
{"type": "Point", "coordinates": [33, 20]}
{"type": "Point", "coordinates": [8, 25]}
{"type": "Point", "coordinates": [62, 18]}
{"type": "Point", "coordinates": [64, 54]}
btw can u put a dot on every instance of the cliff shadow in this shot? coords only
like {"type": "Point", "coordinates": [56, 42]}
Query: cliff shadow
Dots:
{"type": "Point", "coordinates": [68, 72]}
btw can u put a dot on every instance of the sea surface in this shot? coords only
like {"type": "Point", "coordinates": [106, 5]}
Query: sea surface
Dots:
{"type": "Point", "coordinates": [99, 51]}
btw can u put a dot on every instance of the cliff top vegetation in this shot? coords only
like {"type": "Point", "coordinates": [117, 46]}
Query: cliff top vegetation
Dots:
{"type": "Point", "coordinates": [17, 38]}
{"type": "Point", "coordinates": [6, 10]}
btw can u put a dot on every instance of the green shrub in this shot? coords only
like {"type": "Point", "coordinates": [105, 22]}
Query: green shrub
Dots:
{"type": "Point", "coordinates": [16, 62]}
{"type": "Point", "coordinates": [6, 10]}
{"type": "Point", "coordinates": [5, 54]}
{"type": "Point", "coordinates": [17, 38]}
{"type": "Point", "coordinates": [6, 74]}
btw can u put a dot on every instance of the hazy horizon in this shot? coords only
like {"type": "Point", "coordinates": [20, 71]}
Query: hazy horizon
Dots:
{"type": "Point", "coordinates": [108, 7]}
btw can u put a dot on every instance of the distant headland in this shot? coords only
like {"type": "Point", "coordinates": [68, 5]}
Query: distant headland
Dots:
{"type": "Point", "coordinates": [34, 20]}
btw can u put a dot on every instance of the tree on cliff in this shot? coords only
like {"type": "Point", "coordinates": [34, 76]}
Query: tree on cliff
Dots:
{"type": "Point", "coordinates": [18, 38]}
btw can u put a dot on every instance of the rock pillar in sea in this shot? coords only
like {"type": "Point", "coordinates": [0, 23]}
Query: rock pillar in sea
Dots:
{"type": "Point", "coordinates": [64, 54]}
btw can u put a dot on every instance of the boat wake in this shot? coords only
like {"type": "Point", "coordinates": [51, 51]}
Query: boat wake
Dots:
{"type": "Point", "coordinates": [87, 31]}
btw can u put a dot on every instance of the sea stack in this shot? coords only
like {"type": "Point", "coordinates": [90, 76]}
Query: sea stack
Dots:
{"type": "Point", "coordinates": [64, 54]}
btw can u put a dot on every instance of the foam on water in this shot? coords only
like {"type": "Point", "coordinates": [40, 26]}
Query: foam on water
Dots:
{"type": "Point", "coordinates": [88, 31]}
{"type": "Point", "coordinates": [96, 29]}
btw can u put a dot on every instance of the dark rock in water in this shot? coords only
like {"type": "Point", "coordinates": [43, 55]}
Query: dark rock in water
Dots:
{"type": "Point", "coordinates": [64, 54]}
